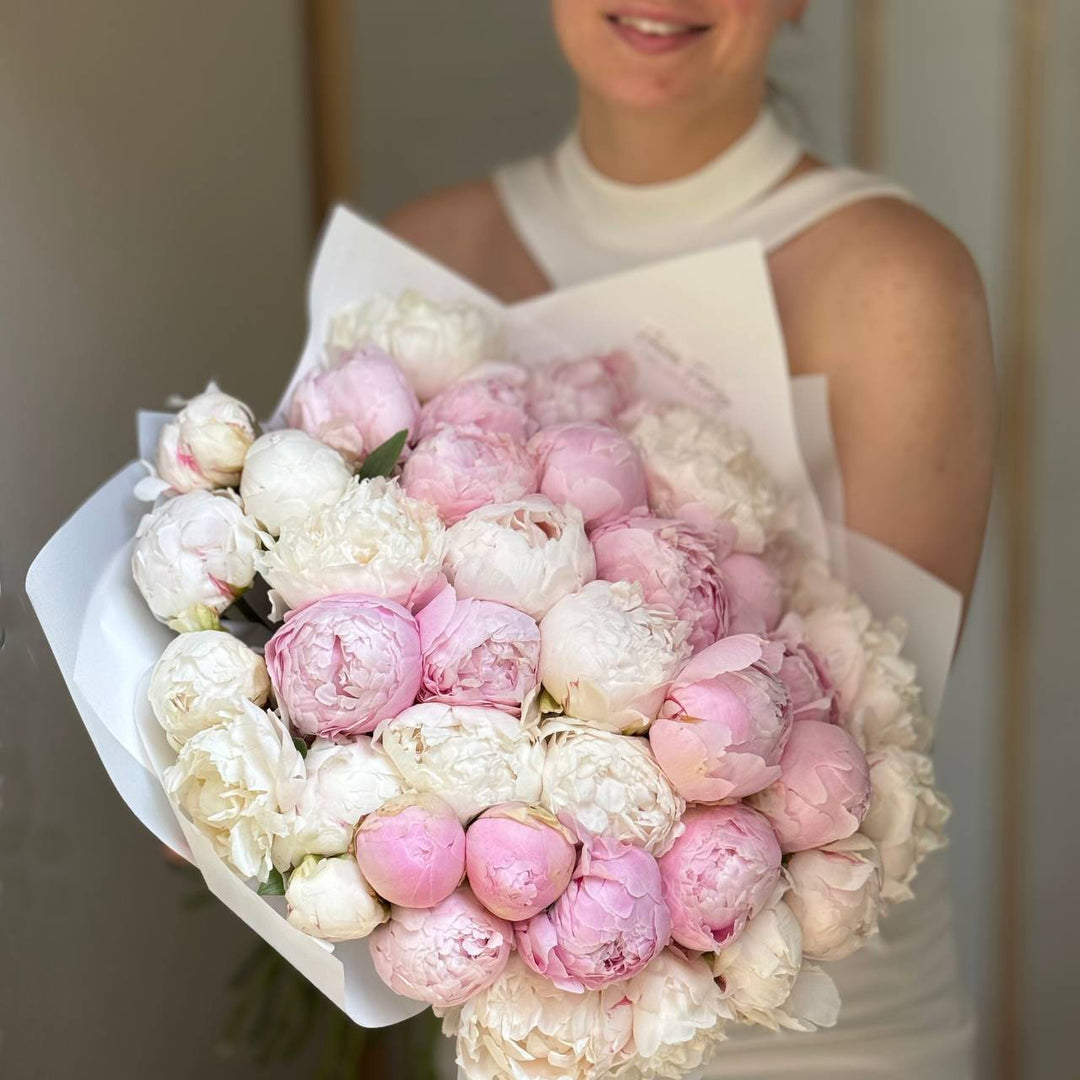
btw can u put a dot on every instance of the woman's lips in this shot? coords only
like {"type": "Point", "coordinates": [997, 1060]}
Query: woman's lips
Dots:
{"type": "Point", "coordinates": [653, 36]}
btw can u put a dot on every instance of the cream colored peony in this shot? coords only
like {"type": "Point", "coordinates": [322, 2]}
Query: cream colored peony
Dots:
{"type": "Point", "coordinates": [609, 784]}
{"type": "Point", "coordinates": [329, 899]}
{"type": "Point", "coordinates": [239, 783]}
{"type": "Point", "coordinates": [471, 757]}
{"type": "Point", "coordinates": [433, 343]}
{"type": "Point", "coordinates": [608, 658]}
{"type": "Point", "coordinates": [373, 540]}
{"type": "Point", "coordinates": [703, 470]}
{"type": "Point", "coordinates": [202, 679]}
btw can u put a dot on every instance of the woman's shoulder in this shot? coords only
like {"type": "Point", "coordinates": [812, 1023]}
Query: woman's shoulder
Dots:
{"type": "Point", "coordinates": [465, 228]}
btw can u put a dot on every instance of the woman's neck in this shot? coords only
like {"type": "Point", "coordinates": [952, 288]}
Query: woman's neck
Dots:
{"type": "Point", "coordinates": [642, 147]}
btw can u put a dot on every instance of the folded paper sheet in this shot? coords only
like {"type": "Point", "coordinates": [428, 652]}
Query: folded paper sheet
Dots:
{"type": "Point", "coordinates": [691, 323]}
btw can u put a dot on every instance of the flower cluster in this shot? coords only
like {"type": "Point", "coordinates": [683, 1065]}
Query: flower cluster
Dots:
{"type": "Point", "coordinates": [546, 719]}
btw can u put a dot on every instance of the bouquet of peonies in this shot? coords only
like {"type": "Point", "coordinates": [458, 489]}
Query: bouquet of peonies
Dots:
{"type": "Point", "coordinates": [563, 710]}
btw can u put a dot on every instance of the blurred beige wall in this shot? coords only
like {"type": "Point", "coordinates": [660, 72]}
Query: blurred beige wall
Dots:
{"type": "Point", "coordinates": [154, 233]}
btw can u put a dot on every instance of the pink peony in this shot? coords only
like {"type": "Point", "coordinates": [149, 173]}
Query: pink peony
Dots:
{"type": "Point", "coordinates": [591, 466]}
{"type": "Point", "coordinates": [724, 724]}
{"type": "Point", "coordinates": [673, 563]}
{"type": "Point", "coordinates": [443, 955]}
{"type": "Point", "coordinates": [477, 652]}
{"type": "Point", "coordinates": [607, 925]}
{"type": "Point", "coordinates": [718, 874]}
{"type": "Point", "coordinates": [412, 850]}
{"type": "Point", "coordinates": [810, 690]}
{"type": "Point", "coordinates": [341, 664]}
{"type": "Point", "coordinates": [519, 859]}
{"type": "Point", "coordinates": [596, 388]}
{"type": "Point", "coordinates": [460, 469]}
{"type": "Point", "coordinates": [823, 791]}
{"type": "Point", "coordinates": [356, 405]}
{"type": "Point", "coordinates": [754, 593]}
{"type": "Point", "coordinates": [494, 402]}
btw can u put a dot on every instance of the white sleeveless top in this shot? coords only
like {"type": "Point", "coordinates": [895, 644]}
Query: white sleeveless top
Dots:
{"type": "Point", "coordinates": [903, 1016]}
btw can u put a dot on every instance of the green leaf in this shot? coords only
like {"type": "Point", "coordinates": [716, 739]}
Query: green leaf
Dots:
{"type": "Point", "coordinates": [274, 885]}
{"type": "Point", "coordinates": [301, 746]}
{"type": "Point", "coordinates": [381, 460]}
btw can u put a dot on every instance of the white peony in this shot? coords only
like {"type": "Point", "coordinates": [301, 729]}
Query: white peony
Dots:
{"type": "Point", "coordinates": [373, 540]}
{"type": "Point", "coordinates": [608, 658]}
{"type": "Point", "coordinates": [289, 475]}
{"type": "Point", "coordinates": [345, 782]}
{"type": "Point", "coordinates": [523, 1027]}
{"type": "Point", "coordinates": [203, 447]}
{"type": "Point", "coordinates": [906, 816]}
{"type": "Point", "coordinates": [678, 1018]}
{"type": "Point", "coordinates": [329, 899]}
{"type": "Point", "coordinates": [610, 785]}
{"type": "Point", "coordinates": [433, 343]}
{"type": "Point", "coordinates": [761, 971]}
{"type": "Point", "coordinates": [470, 757]}
{"type": "Point", "coordinates": [703, 470]}
{"type": "Point", "coordinates": [202, 679]}
{"type": "Point", "coordinates": [836, 896]}
{"type": "Point", "coordinates": [527, 554]}
{"type": "Point", "coordinates": [193, 556]}
{"type": "Point", "coordinates": [239, 782]}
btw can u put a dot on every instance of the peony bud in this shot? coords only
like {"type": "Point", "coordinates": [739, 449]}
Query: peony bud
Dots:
{"type": "Point", "coordinates": [412, 850]}
{"type": "Point", "coordinates": [203, 447]}
{"type": "Point", "coordinates": [527, 554]}
{"type": "Point", "coordinates": [194, 555]}
{"type": "Point", "coordinates": [607, 925]}
{"type": "Point", "coordinates": [329, 899]}
{"type": "Point", "coordinates": [289, 475]}
{"type": "Point", "coordinates": [459, 469]}
{"type": "Point", "coordinates": [725, 721]}
{"type": "Point", "coordinates": [519, 859]}
{"type": "Point", "coordinates": [592, 467]}
{"type": "Point", "coordinates": [753, 588]}
{"type": "Point", "coordinates": [823, 790]}
{"type": "Point", "coordinates": [718, 874]}
{"type": "Point", "coordinates": [597, 388]}
{"type": "Point", "coordinates": [495, 400]}
{"type": "Point", "coordinates": [202, 679]}
{"type": "Point", "coordinates": [607, 657]}
{"type": "Point", "coordinates": [341, 664]}
{"type": "Point", "coordinates": [810, 690]}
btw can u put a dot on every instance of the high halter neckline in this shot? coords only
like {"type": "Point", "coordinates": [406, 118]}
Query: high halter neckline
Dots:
{"type": "Point", "coordinates": [642, 217]}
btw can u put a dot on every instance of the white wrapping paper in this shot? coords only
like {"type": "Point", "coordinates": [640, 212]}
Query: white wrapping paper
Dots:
{"type": "Point", "coordinates": [703, 328]}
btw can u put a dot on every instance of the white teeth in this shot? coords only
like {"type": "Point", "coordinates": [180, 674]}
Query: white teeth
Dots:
{"type": "Point", "coordinates": [652, 26]}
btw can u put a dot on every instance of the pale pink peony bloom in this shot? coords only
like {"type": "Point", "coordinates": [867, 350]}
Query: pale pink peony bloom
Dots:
{"type": "Point", "coordinates": [754, 594]}
{"type": "Point", "coordinates": [596, 388]}
{"type": "Point", "coordinates": [823, 790]}
{"type": "Point", "coordinates": [495, 401]}
{"type": "Point", "coordinates": [477, 652]}
{"type": "Point", "coordinates": [519, 859]}
{"type": "Point", "coordinates": [341, 664]}
{"type": "Point", "coordinates": [725, 721]}
{"type": "Point", "coordinates": [443, 955]}
{"type": "Point", "coordinates": [810, 690]}
{"type": "Point", "coordinates": [719, 874]}
{"type": "Point", "coordinates": [591, 466]}
{"type": "Point", "coordinates": [673, 563]}
{"type": "Point", "coordinates": [357, 404]}
{"type": "Point", "coordinates": [607, 925]}
{"type": "Point", "coordinates": [412, 850]}
{"type": "Point", "coordinates": [459, 469]}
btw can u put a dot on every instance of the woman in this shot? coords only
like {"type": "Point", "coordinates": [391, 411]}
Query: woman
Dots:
{"type": "Point", "coordinates": [675, 150]}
